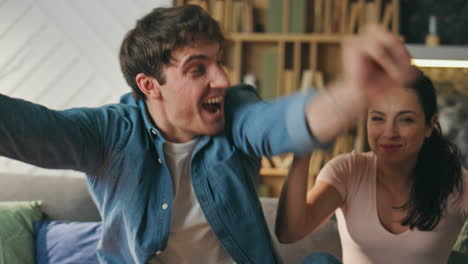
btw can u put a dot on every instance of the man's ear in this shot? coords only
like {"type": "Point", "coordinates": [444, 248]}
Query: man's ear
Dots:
{"type": "Point", "coordinates": [148, 85]}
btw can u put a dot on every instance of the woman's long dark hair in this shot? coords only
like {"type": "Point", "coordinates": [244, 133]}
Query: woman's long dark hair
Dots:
{"type": "Point", "coordinates": [438, 171]}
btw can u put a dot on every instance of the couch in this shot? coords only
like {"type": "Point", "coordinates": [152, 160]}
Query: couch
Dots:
{"type": "Point", "coordinates": [67, 198]}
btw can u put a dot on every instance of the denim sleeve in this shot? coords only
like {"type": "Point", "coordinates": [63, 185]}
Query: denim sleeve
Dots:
{"type": "Point", "coordinates": [51, 139]}
{"type": "Point", "coordinates": [267, 128]}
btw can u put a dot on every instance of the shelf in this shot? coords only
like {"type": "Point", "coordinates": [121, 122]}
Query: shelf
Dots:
{"type": "Point", "coordinates": [265, 37]}
{"type": "Point", "coordinates": [438, 52]}
{"type": "Point", "coordinates": [439, 56]}
{"type": "Point", "coordinates": [274, 172]}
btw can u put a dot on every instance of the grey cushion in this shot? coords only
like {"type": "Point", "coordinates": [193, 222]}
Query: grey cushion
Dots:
{"type": "Point", "coordinates": [325, 239]}
{"type": "Point", "coordinates": [64, 197]}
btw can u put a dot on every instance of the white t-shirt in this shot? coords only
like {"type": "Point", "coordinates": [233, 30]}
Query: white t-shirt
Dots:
{"type": "Point", "coordinates": [364, 239]}
{"type": "Point", "coordinates": [191, 239]}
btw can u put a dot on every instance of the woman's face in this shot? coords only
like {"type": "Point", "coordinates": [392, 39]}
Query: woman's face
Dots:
{"type": "Point", "coordinates": [396, 126]}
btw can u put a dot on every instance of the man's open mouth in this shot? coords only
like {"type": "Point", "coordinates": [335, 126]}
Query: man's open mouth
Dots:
{"type": "Point", "coordinates": [213, 105]}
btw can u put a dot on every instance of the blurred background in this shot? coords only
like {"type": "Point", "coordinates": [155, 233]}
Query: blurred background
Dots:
{"type": "Point", "coordinates": [64, 53]}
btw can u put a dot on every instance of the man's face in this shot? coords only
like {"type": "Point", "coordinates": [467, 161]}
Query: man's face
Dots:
{"type": "Point", "coordinates": [193, 93]}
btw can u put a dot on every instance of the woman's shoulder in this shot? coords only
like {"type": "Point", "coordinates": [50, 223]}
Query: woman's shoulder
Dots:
{"type": "Point", "coordinates": [350, 172]}
{"type": "Point", "coordinates": [353, 159]}
{"type": "Point", "coordinates": [465, 183]}
{"type": "Point", "coordinates": [461, 199]}
{"type": "Point", "coordinates": [465, 174]}
{"type": "Point", "coordinates": [357, 166]}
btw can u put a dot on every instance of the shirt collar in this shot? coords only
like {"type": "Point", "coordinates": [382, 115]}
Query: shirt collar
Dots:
{"type": "Point", "coordinates": [151, 129]}
{"type": "Point", "coordinates": [140, 103]}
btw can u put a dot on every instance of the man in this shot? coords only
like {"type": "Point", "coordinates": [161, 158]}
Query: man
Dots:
{"type": "Point", "coordinates": [173, 167]}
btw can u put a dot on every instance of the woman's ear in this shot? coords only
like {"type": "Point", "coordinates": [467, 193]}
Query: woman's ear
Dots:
{"type": "Point", "coordinates": [434, 120]}
{"type": "Point", "coordinates": [148, 85]}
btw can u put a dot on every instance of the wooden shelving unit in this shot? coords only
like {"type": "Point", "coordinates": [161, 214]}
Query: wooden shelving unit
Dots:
{"type": "Point", "coordinates": [315, 51]}
{"type": "Point", "coordinates": [265, 37]}
{"type": "Point", "coordinates": [274, 172]}
{"type": "Point", "coordinates": [296, 52]}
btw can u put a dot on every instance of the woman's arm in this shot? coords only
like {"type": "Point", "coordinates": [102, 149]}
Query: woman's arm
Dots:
{"type": "Point", "coordinates": [300, 212]}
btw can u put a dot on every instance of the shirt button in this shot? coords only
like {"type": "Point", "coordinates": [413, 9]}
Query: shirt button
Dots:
{"type": "Point", "coordinates": [153, 131]}
{"type": "Point", "coordinates": [158, 253]}
{"type": "Point", "coordinates": [159, 161]}
{"type": "Point", "coordinates": [164, 206]}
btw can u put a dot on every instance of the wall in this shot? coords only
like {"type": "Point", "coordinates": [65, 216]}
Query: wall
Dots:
{"type": "Point", "coordinates": [64, 53]}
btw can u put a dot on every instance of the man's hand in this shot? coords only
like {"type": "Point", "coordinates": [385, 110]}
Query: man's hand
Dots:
{"type": "Point", "coordinates": [373, 61]}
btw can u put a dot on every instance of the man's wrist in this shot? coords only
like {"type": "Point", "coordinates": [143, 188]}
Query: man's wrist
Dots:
{"type": "Point", "coordinates": [348, 100]}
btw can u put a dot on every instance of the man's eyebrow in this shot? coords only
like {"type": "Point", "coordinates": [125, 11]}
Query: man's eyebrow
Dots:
{"type": "Point", "coordinates": [195, 57]}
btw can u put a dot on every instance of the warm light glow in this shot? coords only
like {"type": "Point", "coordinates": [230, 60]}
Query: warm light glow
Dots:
{"type": "Point", "coordinates": [441, 63]}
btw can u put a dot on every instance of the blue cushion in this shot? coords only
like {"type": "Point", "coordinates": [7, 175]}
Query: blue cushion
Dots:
{"type": "Point", "coordinates": [66, 242]}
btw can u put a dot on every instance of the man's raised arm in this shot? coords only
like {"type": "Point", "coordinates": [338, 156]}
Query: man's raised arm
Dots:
{"type": "Point", "coordinates": [372, 61]}
{"type": "Point", "coordinates": [47, 138]}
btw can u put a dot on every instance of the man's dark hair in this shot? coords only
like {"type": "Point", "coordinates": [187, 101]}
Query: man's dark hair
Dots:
{"type": "Point", "coordinates": [148, 47]}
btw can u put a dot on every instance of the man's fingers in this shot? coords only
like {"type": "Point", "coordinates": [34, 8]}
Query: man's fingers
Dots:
{"type": "Point", "coordinates": [401, 68]}
{"type": "Point", "coordinates": [389, 52]}
{"type": "Point", "coordinates": [395, 45]}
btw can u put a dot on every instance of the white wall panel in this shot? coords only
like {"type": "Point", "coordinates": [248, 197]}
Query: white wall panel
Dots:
{"type": "Point", "coordinates": [11, 12]}
{"type": "Point", "coordinates": [28, 60]}
{"type": "Point", "coordinates": [20, 34]}
{"type": "Point", "coordinates": [45, 75]}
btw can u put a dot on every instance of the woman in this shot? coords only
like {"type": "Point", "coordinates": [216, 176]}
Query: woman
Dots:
{"type": "Point", "coordinates": [403, 202]}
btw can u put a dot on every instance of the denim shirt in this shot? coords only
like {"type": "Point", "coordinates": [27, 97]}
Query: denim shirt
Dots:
{"type": "Point", "coordinates": [121, 151]}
